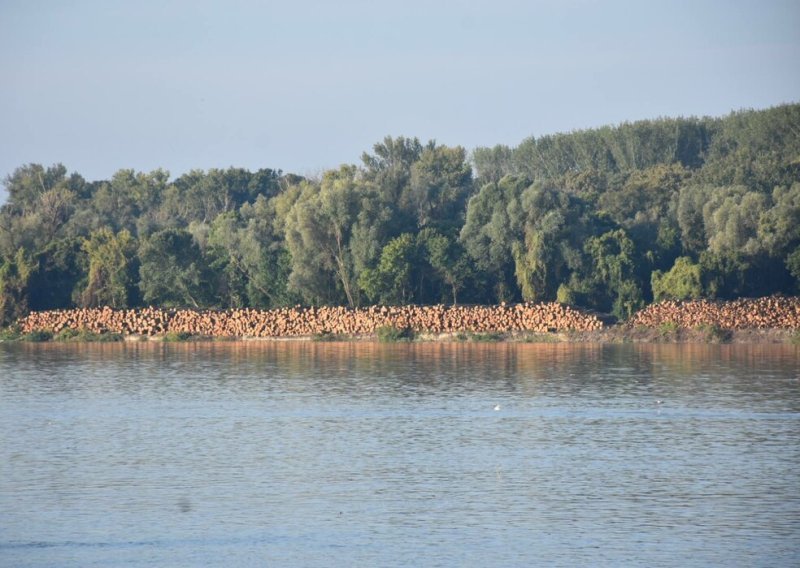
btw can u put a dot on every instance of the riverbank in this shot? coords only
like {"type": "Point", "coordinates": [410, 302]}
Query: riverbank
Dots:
{"type": "Point", "coordinates": [317, 321]}
{"type": "Point", "coordinates": [615, 334]}
{"type": "Point", "coordinates": [760, 320]}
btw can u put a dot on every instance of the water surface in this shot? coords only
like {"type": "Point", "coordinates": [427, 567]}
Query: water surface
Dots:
{"type": "Point", "coordinates": [359, 454]}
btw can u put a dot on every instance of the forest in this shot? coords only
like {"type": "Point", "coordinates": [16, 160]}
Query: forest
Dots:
{"type": "Point", "coordinates": [610, 219]}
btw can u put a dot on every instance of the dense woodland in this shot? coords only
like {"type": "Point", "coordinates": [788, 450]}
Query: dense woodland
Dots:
{"type": "Point", "coordinates": [610, 219]}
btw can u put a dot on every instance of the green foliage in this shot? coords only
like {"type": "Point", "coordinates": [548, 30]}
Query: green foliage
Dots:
{"type": "Point", "coordinates": [177, 336]}
{"type": "Point", "coordinates": [249, 258]}
{"type": "Point", "coordinates": [388, 334]}
{"type": "Point", "coordinates": [66, 334]}
{"type": "Point", "coordinates": [172, 271]}
{"type": "Point", "coordinates": [10, 333]}
{"type": "Point", "coordinates": [61, 275]}
{"type": "Point", "coordinates": [605, 218]}
{"type": "Point", "coordinates": [37, 336]}
{"type": "Point", "coordinates": [681, 282]}
{"type": "Point", "coordinates": [613, 273]}
{"type": "Point", "coordinates": [15, 274]}
{"type": "Point", "coordinates": [494, 222]}
{"type": "Point", "coordinates": [754, 149]}
{"type": "Point", "coordinates": [555, 226]}
{"type": "Point", "coordinates": [630, 146]}
{"type": "Point", "coordinates": [565, 295]}
{"type": "Point", "coordinates": [389, 168]}
{"type": "Point", "coordinates": [110, 268]}
{"type": "Point", "coordinates": [731, 218]}
{"type": "Point", "coordinates": [487, 337]}
{"type": "Point", "coordinates": [793, 265]}
{"type": "Point", "coordinates": [441, 182]}
{"type": "Point", "coordinates": [779, 227]}
{"type": "Point", "coordinates": [319, 229]}
{"type": "Point", "coordinates": [668, 330]}
{"type": "Point", "coordinates": [493, 164]}
{"type": "Point", "coordinates": [715, 334]}
{"type": "Point", "coordinates": [447, 258]}
{"type": "Point", "coordinates": [202, 196]}
{"type": "Point", "coordinates": [69, 335]}
{"type": "Point", "coordinates": [534, 337]}
{"type": "Point", "coordinates": [391, 281]}
{"type": "Point", "coordinates": [724, 275]}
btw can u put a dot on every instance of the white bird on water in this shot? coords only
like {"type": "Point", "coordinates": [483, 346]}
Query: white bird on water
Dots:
{"type": "Point", "coordinates": [497, 407]}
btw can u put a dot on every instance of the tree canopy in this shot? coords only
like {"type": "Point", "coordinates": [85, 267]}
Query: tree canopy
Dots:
{"type": "Point", "coordinates": [608, 218]}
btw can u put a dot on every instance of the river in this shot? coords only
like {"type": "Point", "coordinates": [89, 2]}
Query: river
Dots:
{"type": "Point", "coordinates": [365, 454]}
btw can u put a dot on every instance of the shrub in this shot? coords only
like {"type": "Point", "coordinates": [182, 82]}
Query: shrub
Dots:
{"type": "Point", "coordinates": [389, 333]}
{"type": "Point", "coordinates": [566, 295]}
{"type": "Point", "coordinates": [85, 336]}
{"type": "Point", "coordinates": [65, 334]}
{"type": "Point", "coordinates": [681, 282]}
{"type": "Point", "coordinates": [10, 333]}
{"type": "Point", "coordinates": [38, 336]}
{"type": "Point", "coordinates": [491, 336]}
{"type": "Point", "coordinates": [177, 336]}
{"type": "Point", "coordinates": [715, 334]}
{"type": "Point", "coordinates": [667, 329]}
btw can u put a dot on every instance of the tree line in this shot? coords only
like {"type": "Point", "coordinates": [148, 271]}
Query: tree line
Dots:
{"type": "Point", "coordinates": [610, 219]}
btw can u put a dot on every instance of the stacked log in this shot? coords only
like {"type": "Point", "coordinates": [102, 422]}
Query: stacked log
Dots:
{"type": "Point", "coordinates": [299, 321]}
{"type": "Point", "coordinates": [776, 312]}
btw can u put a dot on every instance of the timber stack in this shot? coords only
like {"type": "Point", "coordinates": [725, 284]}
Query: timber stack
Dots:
{"type": "Point", "coordinates": [310, 321]}
{"type": "Point", "coordinates": [776, 312]}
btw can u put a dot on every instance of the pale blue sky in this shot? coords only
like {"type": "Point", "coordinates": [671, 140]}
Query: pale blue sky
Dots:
{"type": "Point", "coordinates": [303, 85]}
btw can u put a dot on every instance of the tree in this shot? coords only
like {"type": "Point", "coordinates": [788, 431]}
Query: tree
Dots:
{"type": "Point", "coordinates": [793, 266]}
{"type": "Point", "coordinates": [556, 225]}
{"type": "Point", "coordinates": [723, 274]}
{"type": "Point", "coordinates": [110, 268]}
{"type": "Point", "coordinates": [731, 218]}
{"type": "Point", "coordinates": [319, 228]}
{"type": "Point", "coordinates": [778, 228]}
{"type": "Point", "coordinates": [28, 183]}
{"type": "Point", "coordinates": [15, 275]}
{"type": "Point", "coordinates": [691, 200]}
{"type": "Point", "coordinates": [61, 275]}
{"type": "Point", "coordinates": [250, 260]}
{"type": "Point", "coordinates": [536, 256]}
{"type": "Point", "coordinates": [391, 281]}
{"type": "Point", "coordinates": [643, 204]}
{"type": "Point", "coordinates": [493, 164]}
{"type": "Point", "coordinates": [117, 201]}
{"type": "Point", "coordinates": [682, 282]}
{"type": "Point", "coordinates": [171, 270]}
{"type": "Point", "coordinates": [613, 267]}
{"type": "Point", "coordinates": [494, 222]}
{"type": "Point", "coordinates": [441, 182]}
{"type": "Point", "coordinates": [447, 258]}
{"type": "Point", "coordinates": [389, 168]}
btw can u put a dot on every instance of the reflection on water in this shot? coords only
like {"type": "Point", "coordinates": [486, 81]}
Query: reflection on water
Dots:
{"type": "Point", "coordinates": [318, 454]}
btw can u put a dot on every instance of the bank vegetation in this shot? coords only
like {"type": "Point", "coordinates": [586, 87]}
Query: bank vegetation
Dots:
{"type": "Point", "coordinates": [609, 219]}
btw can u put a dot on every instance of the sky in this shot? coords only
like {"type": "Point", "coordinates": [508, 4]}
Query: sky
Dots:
{"type": "Point", "coordinates": [304, 85]}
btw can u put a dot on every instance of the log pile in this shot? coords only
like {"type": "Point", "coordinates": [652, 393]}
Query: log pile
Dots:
{"type": "Point", "coordinates": [776, 312]}
{"type": "Point", "coordinates": [297, 321]}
